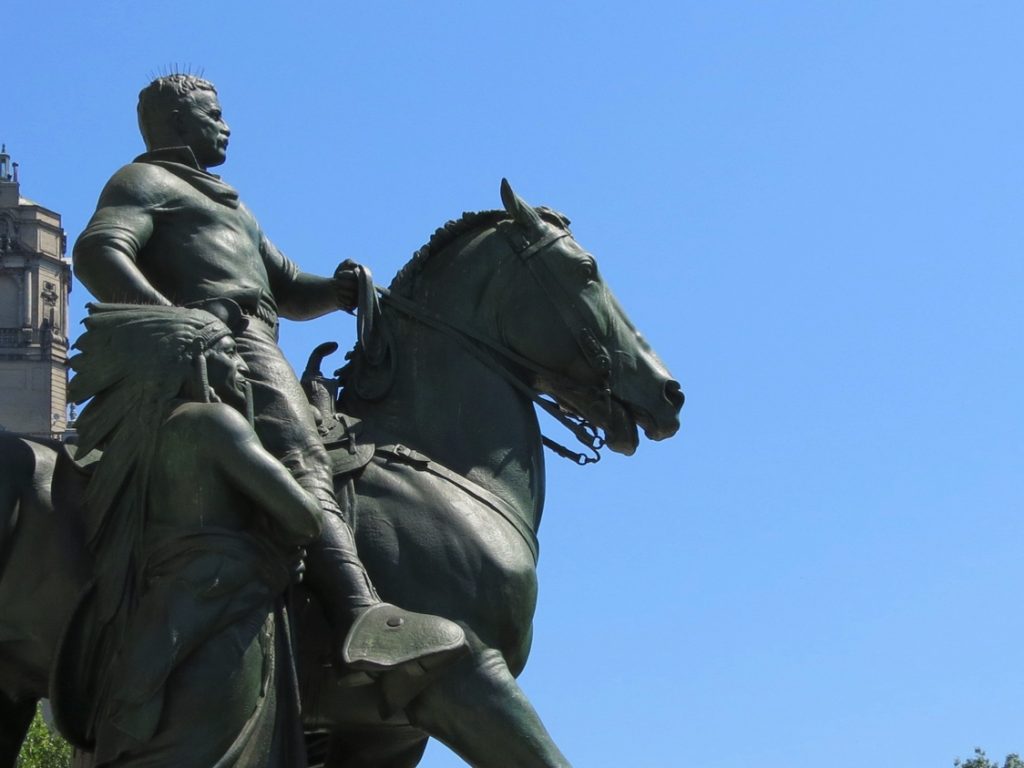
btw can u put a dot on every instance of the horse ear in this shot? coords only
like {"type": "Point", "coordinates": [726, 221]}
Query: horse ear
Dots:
{"type": "Point", "coordinates": [508, 197]}
{"type": "Point", "coordinates": [524, 214]}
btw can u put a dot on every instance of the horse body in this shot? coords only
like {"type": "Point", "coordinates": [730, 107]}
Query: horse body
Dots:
{"type": "Point", "coordinates": [43, 540]}
{"type": "Point", "coordinates": [43, 565]}
{"type": "Point", "coordinates": [446, 512]}
{"type": "Point", "coordinates": [436, 547]}
{"type": "Point", "coordinates": [447, 405]}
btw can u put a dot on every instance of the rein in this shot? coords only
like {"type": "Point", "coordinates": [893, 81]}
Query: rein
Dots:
{"type": "Point", "coordinates": [593, 352]}
{"type": "Point", "coordinates": [474, 343]}
{"type": "Point", "coordinates": [368, 313]}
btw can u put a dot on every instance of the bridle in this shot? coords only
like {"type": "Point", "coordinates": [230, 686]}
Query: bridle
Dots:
{"type": "Point", "coordinates": [499, 357]}
{"type": "Point", "coordinates": [593, 351]}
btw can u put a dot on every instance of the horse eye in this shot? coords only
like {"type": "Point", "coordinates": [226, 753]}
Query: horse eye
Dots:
{"type": "Point", "coordinates": [588, 270]}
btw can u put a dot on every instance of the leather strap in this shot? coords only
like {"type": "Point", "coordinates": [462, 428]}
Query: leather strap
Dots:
{"type": "Point", "coordinates": [421, 461]}
{"type": "Point", "coordinates": [477, 345]}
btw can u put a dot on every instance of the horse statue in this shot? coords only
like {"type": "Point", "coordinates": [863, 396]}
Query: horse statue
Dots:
{"type": "Point", "coordinates": [438, 455]}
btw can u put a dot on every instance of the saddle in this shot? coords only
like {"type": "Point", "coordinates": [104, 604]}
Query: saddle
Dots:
{"type": "Point", "coordinates": [347, 446]}
{"type": "Point", "coordinates": [341, 434]}
{"type": "Point", "coordinates": [351, 445]}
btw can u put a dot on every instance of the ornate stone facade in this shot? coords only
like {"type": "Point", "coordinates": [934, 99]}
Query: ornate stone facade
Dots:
{"type": "Point", "coordinates": [35, 280]}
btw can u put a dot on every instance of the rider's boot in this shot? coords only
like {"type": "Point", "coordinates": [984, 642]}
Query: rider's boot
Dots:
{"type": "Point", "coordinates": [379, 638]}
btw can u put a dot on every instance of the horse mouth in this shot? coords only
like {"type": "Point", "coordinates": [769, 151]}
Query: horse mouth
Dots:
{"type": "Point", "coordinates": [620, 420]}
{"type": "Point", "coordinates": [620, 429]}
{"type": "Point", "coordinates": [613, 416]}
{"type": "Point", "coordinates": [624, 420]}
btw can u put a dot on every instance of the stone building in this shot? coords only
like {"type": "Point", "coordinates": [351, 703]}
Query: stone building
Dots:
{"type": "Point", "coordinates": [35, 280]}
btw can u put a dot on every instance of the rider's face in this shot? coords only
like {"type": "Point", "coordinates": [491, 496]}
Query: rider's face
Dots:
{"type": "Point", "coordinates": [226, 371]}
{"type": "Point", "coordinates": [201, 126]}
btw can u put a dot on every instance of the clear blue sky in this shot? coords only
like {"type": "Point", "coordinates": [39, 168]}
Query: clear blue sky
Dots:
{"type": "Point", "coordinates": [813, 210]}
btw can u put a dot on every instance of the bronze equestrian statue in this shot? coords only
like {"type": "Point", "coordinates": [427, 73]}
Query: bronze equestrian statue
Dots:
{"type": "Point", "coordinates": [168, 232]}
{"type": "Point", "coordinates": [436, 454]}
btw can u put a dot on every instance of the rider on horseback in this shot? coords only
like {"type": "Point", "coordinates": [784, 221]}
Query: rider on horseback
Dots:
{"type": "Point", "coordinates": [167, 232]}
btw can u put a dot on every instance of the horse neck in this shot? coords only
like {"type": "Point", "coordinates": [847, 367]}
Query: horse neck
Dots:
{"type": "Point", "coordinates": [449, 405]}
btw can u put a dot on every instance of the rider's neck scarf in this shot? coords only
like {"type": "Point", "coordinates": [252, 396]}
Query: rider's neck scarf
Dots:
{"type": "Point", "coordinates": [182, 163]}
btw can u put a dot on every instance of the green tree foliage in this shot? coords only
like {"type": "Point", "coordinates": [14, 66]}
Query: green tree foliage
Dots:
{"type": "Point", "coordinates": [43, 749]}
{"type": "Point", "coordinates": [981, 761]}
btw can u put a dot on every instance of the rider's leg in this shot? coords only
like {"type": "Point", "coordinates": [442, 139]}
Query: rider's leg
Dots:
{"type": "Point", "coordinates": [377, 636]}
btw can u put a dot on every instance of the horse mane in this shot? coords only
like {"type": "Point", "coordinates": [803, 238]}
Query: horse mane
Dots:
{"type": "Point", "coordinates": [453, 229]}
{"type": "Point", "coordinates": [444, 236]}
{"type": "Point", "coordinates": [372, 380]}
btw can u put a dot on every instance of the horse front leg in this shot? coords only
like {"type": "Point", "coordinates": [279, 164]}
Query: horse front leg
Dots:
{"type": "Point", "coordinates": [15, 719]}
{"type": "Point", "coordinates": [479, 711]}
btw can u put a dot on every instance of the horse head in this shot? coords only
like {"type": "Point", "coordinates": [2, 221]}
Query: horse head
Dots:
{"type": "Point", "coordinates": [527, 300]}
{"type": "Point", "coordinates": [558, 312]}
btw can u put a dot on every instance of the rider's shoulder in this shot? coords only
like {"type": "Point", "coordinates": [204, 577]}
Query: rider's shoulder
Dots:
{"type": "Point", "coordinates": [138, 183]}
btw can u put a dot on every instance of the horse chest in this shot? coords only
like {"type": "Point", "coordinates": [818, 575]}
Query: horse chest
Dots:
{"type": "Point", "coordinates": [439, 547]}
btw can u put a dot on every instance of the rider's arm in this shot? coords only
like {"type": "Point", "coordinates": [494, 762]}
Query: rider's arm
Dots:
{"type": "Point", "coordinates": [256, 474]}
{"type": "Point", "coordinates": [301, 295]}
{"type": "Point", "coordinates": [105, 254]}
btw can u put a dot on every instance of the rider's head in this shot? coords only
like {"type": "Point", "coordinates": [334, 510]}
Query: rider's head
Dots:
{"type": "Point", "coordinates": [183, 111]}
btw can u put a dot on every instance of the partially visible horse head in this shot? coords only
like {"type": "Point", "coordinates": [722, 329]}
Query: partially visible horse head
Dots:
{"type": "Point", "coordinates": [557, 311]}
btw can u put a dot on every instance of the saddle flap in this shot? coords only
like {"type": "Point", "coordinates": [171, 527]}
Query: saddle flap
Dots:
{"type": "Point", "coordinates": [348, 453]}
{"type": "Point", "coordinates": [344, 461]}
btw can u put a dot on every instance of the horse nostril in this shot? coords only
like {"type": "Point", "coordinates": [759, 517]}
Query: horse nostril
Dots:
{"type": "Point", "coordinates": [674, 393]}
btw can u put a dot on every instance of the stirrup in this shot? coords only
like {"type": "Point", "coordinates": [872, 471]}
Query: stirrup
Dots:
{"type": "Point", "coordinates": [385, 637]}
